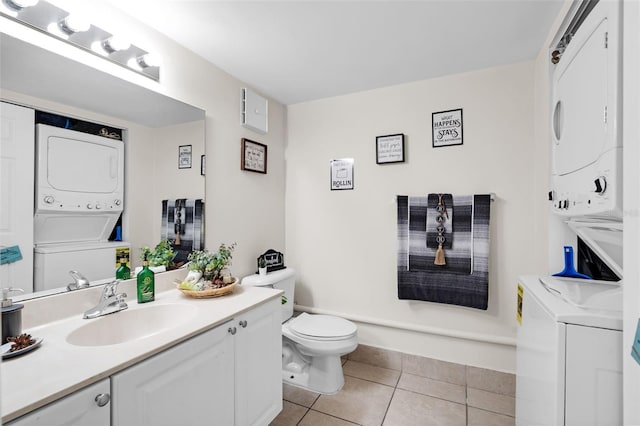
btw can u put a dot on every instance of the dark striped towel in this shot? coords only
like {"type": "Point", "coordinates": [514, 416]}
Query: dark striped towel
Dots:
{"type": "Point", "coordinates": [192, 225]}
{"type": "Point", "coordinates": [419, 279]}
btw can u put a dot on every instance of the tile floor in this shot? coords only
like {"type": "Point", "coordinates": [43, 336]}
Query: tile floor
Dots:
{"type": "Point", "coordinates": [393, 389]}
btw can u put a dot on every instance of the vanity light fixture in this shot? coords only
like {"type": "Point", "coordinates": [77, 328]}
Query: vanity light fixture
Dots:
{"type": "Point", "coordinates": [79, 32]}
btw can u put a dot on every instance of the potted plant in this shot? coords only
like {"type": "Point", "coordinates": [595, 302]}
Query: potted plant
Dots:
{"type": "Point", "coordinates": [262, 266]}
{"type": "Point", "coordinates": [161, 255]}
{"type": "Point", "coordinates": [212, 266]}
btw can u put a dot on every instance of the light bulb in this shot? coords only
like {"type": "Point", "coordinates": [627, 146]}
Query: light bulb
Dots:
{"type": "Point", "coordinates": [149, 60]}
{"type": "Point", "coordinates": [74, 23]}
{"type": "Point", "coordinates": [20, 4]}
{"type": "Point", "coordinates": [115, 43]}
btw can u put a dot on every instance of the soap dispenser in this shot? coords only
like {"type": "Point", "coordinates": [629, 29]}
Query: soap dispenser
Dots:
{"type": "Point", "coordinates": [11, 315]}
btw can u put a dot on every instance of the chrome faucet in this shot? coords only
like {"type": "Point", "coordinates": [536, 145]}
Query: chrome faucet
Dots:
{"type": "Point", "coordinates": [110, 302]}
{"type": "Point", "coordinates": [79, 281]}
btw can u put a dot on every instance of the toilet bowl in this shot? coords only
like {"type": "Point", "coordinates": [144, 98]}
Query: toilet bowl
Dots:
{"type": "Point", "coordinates": [312, 344]}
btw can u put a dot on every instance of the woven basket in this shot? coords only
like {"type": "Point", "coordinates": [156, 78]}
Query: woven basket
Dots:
{"type": "Point", "coordinates": [212, 292]}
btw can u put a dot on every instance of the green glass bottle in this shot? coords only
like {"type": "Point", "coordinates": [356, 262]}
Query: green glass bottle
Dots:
{"type": "Point", "coordinates": [146, 284]}
{"type": "Point", "coordinates": [123, 272]}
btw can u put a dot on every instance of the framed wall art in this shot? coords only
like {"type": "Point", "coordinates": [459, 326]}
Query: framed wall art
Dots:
{"type": "Point", "coordinates": [390, 149]}
{"type": "Point", "coordinates": [447, 128]}
{"type": "Point", "coordinates": [342, 174]}
{"type": "Point", "coordinates": [184, 157]}
{"type": "Point", "coordinates": [202, 165]}
{"type": "Point", "coordinates": [254, 156]}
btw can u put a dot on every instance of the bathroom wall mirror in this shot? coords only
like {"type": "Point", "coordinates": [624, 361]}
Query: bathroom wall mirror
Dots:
{"type": "Point", "coordinates": [153, 124]}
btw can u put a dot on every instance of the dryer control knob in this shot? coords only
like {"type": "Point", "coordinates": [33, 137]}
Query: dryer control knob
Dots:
{"type": "Point", "coordinates": [89, 206]}
{"type": "Point", "coordinates": [48, 199]}
{"type": "Point", "coordinates": [601, 185]}
{"type": "Point", "coordinates": [117, 202]}
{"type": "Point", "coordinates": [98, 206]}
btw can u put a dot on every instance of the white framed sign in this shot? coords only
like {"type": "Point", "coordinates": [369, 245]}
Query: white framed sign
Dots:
{"type": "Point", "coordinates": [390, 149]}
{"type": "Point", "coordinates": [447, 128]}
{"type": "Point", "coordinates": [342, 174]}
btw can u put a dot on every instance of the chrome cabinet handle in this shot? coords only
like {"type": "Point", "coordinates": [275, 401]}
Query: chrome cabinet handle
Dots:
{"type": "Point", "coordinates": [102, 399]}
{"type": "Point", "coordinates": [232, 330]}
{"type": "Point", "coordinates": [243, 323]}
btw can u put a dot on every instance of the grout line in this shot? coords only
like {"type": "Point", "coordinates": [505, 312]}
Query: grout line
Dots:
{"type": "Point", "coordinates": [303, 416]}
{"type": "Point", "coordinates": [388, 405]}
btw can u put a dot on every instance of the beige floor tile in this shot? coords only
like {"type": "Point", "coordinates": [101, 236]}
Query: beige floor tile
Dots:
{"type": "Point", "coordinates": [359, 401]}
{"type": "Point", "coordinates": [290, 414]}
{"type": "Point", "coordinates": [380, 375]}
{"type": "Point", "coordinates": [378, 357]}
{"type": "Point", "coordinates": [435, 388]}
{"type": "Point", "coordinates": [315, 418]}
{"type": "Point", "coordinates": [479, 417]}
{"type": "Point", "coordinates": [413, 409]}
{"type": "Point", "coordinates": [434, 369]}
{"type": "Point", "coordinates": [491, 380]}
{"type": "Point", "coordinates": [502, 404]}
{"type": "Point", "coordinates": [298, 396]}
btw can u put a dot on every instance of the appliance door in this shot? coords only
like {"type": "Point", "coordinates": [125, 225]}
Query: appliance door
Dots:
{"type": "Point", "coordinates": [540, 365]}
{"type": "Point", "coordinates": [95, 261]}
{"type": "Point", "coordinates": [594, 376]}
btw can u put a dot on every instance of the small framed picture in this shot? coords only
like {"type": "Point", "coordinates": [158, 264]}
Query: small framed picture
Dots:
{"type": "Point", "coordinates": [202, 165]}
{"type": "Point", "coordinates": [184, 157]}
{"type": "Point", "coordinates": [390, 149]}
{"type": "Point", "coordinates": [447, 128]}
{"type": "Point", "coordinates": [342, 174]}
{"type": "Point", "coordinates": [254, 156]}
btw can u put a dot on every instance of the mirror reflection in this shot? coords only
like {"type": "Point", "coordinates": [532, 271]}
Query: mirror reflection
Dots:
{"type": "Point", "coordinates": [108, 168]}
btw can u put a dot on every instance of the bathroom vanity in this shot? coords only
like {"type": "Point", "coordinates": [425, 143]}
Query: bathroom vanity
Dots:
{"type": "Point", "coordinates": [217, 359]}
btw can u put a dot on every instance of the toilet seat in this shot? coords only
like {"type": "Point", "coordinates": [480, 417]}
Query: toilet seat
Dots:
{"type": "Point", "coordinates": [322, 327]}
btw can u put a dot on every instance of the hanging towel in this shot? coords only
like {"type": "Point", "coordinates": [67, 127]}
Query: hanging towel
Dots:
{"type": "Point", "coordinates": [419, 279]}
{"type": "Point", "coordinates": [191, 225]}
{"type": "Point", "coordinates": [421, 254]}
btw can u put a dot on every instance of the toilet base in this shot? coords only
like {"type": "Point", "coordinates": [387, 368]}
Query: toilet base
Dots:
{"type": "Point", "coordinates": [321, 374]}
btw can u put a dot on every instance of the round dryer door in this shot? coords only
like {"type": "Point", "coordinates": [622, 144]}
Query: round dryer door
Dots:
{"type": "Point", "coordinates": [322, 326]}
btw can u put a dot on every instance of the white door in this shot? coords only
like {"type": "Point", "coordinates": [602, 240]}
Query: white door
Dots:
{"type": "Point", "coordinates": [259, 364]}
{"type": "Point", "coordinates": [190, 384]}
{"type": "Point", "coordinates": [86, 407]}
{"type": "Point", "coordinates": [17, 139]}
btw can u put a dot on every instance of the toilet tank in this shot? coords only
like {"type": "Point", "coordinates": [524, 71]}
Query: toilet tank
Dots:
{"type": "Point", "coordinates": [285, 280]}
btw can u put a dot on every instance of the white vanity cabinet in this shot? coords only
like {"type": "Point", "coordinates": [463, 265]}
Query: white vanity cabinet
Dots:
{"type": "Point", "coordinates": [258, 349]}
{"type": "Point", "coordinates": [88, 406]}
{"type": "Point", "coordinates": [225, 376]}
{"type": "Point", "coordinates": [189, 384]}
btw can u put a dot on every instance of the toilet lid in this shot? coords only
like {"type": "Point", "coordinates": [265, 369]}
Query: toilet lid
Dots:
{"type": "Point", "coordinates": [322, 326]}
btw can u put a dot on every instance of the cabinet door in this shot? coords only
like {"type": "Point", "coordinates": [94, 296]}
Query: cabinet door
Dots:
{"type": "Point", "coordinates": [189, 384]}
{"type": "Point", "coordinates": [259, 364]}
{"type": "Point", "coordinates": [86, 407]}
{"type": "Point", "coordinates": [594, 376]}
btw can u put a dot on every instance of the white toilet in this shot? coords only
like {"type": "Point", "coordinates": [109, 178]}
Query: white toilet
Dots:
{"type": "Point", "coordinates": [311, 344]}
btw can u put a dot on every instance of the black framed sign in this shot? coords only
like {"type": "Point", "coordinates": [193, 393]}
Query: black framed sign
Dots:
{"type": "Point", "coordinates": [447, 128]}
{"type": "Point", "coordinates": [184, 157]}
{"type": "Point", "coordinates": [342, 174]}
{"type": "Point", "coordinates": [254, 156]}
{"type": "Point", "coordinates": [390, 149]}
{"type": "Point", "coordinates": [202, 165]}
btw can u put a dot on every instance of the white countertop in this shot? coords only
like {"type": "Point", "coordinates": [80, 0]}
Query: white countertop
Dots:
{"type": "Point", "coordinates": [58, 368]}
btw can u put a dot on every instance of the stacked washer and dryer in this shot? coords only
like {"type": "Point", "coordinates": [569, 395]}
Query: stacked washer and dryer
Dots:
{"type": "Point", "coordinates": [78, 199]}
{"type": "Point", "coordinates": [569, 342]}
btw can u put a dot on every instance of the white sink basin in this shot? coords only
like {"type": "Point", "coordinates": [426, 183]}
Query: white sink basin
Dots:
{"type": "Point", "coordinates": [129, 325]}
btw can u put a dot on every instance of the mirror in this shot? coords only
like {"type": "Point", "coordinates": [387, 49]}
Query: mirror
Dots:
{"type": "Point", "coordinates": [154, 127]}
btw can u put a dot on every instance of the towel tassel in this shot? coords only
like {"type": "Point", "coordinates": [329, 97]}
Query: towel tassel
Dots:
{"type": "Point", "coordinates": [439, 256]}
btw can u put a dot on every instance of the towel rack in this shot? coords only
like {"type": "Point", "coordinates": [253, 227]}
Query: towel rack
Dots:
{"type": "Point", "coordinates": [492, 196]}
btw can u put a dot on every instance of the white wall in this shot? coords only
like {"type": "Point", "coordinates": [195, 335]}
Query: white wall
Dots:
{"type": "Point", "coordinates": [343, 243]}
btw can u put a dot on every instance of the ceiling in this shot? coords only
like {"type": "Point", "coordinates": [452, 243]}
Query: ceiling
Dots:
{"type": "Point", "coordinates": [297, 50]}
